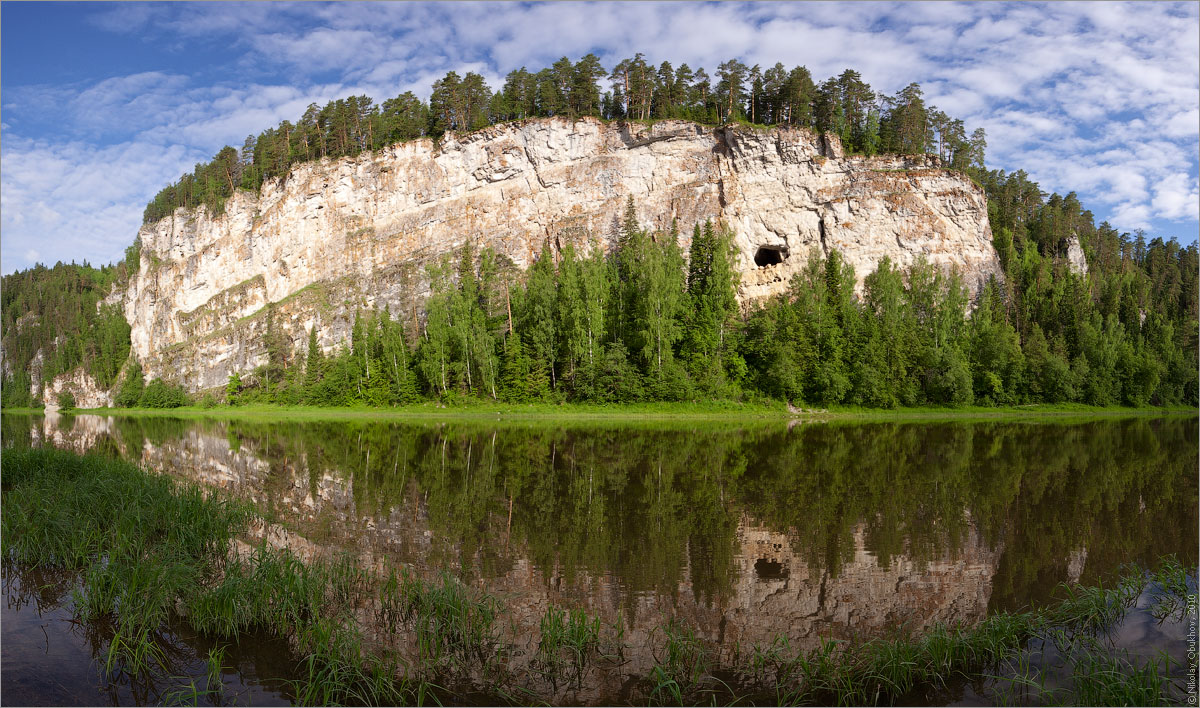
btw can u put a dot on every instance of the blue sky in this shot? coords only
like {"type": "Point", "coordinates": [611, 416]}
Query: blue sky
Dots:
{"type": "Point", "coordinates": [102, 104]}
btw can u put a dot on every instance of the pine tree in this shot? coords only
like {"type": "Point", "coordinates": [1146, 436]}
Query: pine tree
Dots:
{"type": "Point", "coordinates": [538, 316]}
{"type": "Point", "coordinates": [314, 368]}
{"type": "Point", "coordinates": [711, 303]}
{"type": "Point", "coordinates": [515, 372]}
{"type": "Point", "coordinates": [232, 388]}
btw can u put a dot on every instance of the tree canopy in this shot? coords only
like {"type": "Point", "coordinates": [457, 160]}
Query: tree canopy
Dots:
{"type": "Point", "coordinates": [866, 121]}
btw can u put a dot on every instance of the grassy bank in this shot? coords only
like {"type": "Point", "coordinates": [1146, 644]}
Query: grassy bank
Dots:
{"type": "Point", "coordinates": [145, 548]}
{"type": "Point", "coordinates": [715, 411]}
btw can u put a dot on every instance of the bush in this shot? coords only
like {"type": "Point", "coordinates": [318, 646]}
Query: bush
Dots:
{"type": "Point", "coordinates": [132, 387]}
{"type": "Point", "coordinates": [66, 401]}
{"type": "Point", "coordinates": [159, 394]}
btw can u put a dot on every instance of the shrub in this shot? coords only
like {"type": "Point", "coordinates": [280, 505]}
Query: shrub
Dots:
{"type": "Point", "coordinates": [66, 401]}
{"type": "Point", "coordinates": [132, 387]}
{"type": "Point", "coordinates": [159, 394]}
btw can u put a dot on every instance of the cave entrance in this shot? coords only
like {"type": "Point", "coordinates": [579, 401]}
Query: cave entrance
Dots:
{"type": "Point", "coordinates": [770, 570]}
{"type": "Point", "coordinates": [770, 255]}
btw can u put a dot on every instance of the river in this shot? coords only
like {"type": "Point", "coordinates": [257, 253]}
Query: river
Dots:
{"type": "Point", "coordinates": [743, 531]}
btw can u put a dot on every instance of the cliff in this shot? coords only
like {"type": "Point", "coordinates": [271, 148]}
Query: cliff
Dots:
{"type": "Point", "coordinates": [357, 232]}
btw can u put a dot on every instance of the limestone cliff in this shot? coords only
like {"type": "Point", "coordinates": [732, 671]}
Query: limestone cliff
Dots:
{"type": "Point", "coordinates": [358, 232]}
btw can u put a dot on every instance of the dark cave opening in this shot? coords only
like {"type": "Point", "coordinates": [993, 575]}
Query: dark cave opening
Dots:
{"type": "Point", "coordinates": [770, 255]}
{"type": "Point", "coordinates": [770, 570]}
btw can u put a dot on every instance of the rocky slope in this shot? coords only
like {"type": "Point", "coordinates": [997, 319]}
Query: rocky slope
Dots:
{"type": "Point", "coordinates": [358, 232]}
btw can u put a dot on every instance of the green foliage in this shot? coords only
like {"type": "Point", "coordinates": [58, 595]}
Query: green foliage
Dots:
{"type": "Point", "coordinates": [159, 394]}
{"type": "Point", "coordinates": [1124, 333]}
{"type": "Point", "coordinates": [57, 312]}
{"type": "Point", "coordinates": [132, 386]}
{"type": "Point", "coordinates": [712, 281]}
{"type": "Point", "coordinates": [232, 388]}
{"type": "Point", "coordinates": [15, 391]}
{"type": "Point", "coordinates": [66, 401]}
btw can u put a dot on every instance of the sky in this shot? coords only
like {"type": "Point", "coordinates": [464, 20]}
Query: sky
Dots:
{"type": "Point", "coordinates": [103, 104]}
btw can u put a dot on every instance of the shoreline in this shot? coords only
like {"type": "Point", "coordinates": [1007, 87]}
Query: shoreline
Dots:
{"type": "Point", "coordinates": [634, 412]}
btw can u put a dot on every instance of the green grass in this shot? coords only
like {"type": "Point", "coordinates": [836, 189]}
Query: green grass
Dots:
{"type": "Point", "coordinates": [138, 541]}
{"type": "Point", "coordinates": [763, 411]}
{"type": "Point", "coordinates": [682, 665]}
{"type": "Point", "coordinates": [568, 640]}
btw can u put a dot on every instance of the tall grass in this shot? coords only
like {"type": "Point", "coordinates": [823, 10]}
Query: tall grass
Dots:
{"type": "Point", "coordinates": [138, 541]}
{"type": "Point", "coordinates": [1170, 585]}
{"type": "Point", "coordinates": [568, 640]}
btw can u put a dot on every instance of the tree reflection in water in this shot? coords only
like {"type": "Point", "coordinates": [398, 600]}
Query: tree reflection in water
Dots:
{"type": "Point", "coordinates": [834, 529]}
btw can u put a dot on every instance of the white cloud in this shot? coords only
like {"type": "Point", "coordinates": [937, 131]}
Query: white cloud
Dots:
{"type": "Point", "coordinates": [77, 202]}
{"type": "Point", "coordinates": [1176, 197]}
{"type": "Point", "coordinates": [1099, 98]}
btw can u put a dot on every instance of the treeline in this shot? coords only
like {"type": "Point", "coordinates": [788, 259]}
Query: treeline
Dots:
{"type": "Point", "coordinates": [1125, 333]}
{"type": "Point", "coordinates": [644, 323]}
{"type": "Point", "coordinates": [56, 311]}
{"type": "Point", "coordinates": [867, 122]}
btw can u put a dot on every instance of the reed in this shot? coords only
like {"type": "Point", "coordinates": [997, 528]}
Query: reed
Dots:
{"type": "Point", "coordinates": [138, 541]}
{"type": "Point", "coordinates": [1170, 585]}
{"type": "Point", "coordinates": [567, 640]}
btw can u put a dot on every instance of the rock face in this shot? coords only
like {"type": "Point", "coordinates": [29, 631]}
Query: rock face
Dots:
{"type": "Point", "coordinates": [358, 232]}
{"type": "Point", "coordinates": [87, 393]}
{"type": "Point", "coordinates": [1076, 260]}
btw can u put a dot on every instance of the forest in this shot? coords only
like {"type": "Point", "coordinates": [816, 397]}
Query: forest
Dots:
{"type": "Point", "coordinates": [648, 322]}
{"type": "Point", "coordinates": [866, 122]}
{"type": "Point", "coordinates": [57, 311]}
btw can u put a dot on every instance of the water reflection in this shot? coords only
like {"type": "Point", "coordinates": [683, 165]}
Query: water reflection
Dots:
{"type": "Point", "coordinates": [51, 658]}
{"type": "Point", "coordinates": [849, 531]}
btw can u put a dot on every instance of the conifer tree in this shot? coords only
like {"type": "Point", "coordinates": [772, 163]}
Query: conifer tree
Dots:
{"type": "Point", "coordinates": [538, 316]}
{"type": "Point", "coordinates": [314, 367]}
{"type": "Point", "coordinates": [571, 326]}
{"type": "Point", "coordinates": [711, 303]}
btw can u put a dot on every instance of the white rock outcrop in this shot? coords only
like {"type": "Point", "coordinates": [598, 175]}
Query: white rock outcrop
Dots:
{"type": "Point", "coordinates": [1076, 260]}
{"type": "Point", "coordinates": [81, 385]}
{"type": "Point", "coordinates": [357, 232]}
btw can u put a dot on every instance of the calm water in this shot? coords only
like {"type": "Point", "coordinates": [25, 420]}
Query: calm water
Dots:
{"type": "Point", "coordinates": [847, 531]}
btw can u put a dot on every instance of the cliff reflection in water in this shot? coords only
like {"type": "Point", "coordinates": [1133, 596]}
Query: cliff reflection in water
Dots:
{"type": "Point", "coordinates": [821, 530]}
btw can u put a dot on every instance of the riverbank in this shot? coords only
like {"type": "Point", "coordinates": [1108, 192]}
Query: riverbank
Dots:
{"type": "Point", "coordinates": [707, 411]}
{"type": "Point", "coordinates": [366, 635]}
